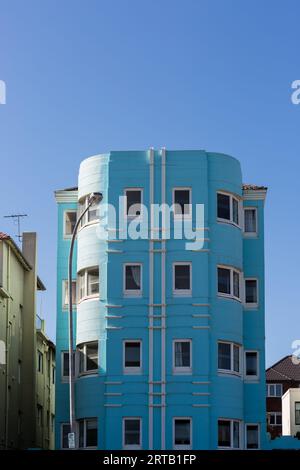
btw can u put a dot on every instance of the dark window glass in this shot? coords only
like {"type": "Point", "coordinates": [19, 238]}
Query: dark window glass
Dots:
{"type": "Point", "coordinates": [91, 433]}
{"type": "Point", "coordinates": [235, 211]}
{"type": "Point", "coordinates": [236, 358]}
{"type": "Point", "coordinates": [182, 432]}
{"type": "Point", "coordinates": [236, 284]}
{"type": "Point", "coordinates": [133, 277]}
{"type": "Point", "coordinates": [132, 354]}
{"type": "Point", "coordinates": [134, 200]}
{"type": "Point", "coordinates": [66, 364]}
{"type": "Point", "coordinates": [252, 436]}
{"type": "Point", "coordinates": [251, 363]}
{"type": "Point", "coordinates": [297, 412]}
{"type": "Point", "coordinates": [250, 220]}
{"type": "Point", "coordinates": [224, 438]}
{"type": "Point", "coordinates": [224, 281]}
{"type": "Point", "coordinates": [251, 291]}
{"type": "Point", "coordinates": [224, 356]}
{"type": "Point", "coordinates": [92, 356]}
{"type": "Point", "coordinates": [182, 354]}
{"type": "Point", "coordinates": [132, 432]}
{"type": "Point", "coordinates": [66, 429]}
{"type": "Point", "coordinates": [182, 201]}
{"type": "Point", "coordinates": [236, 434]}
{"type": "Point", "coordinates": [223, 206]}
{"type": "Point", "coordinates": [182, 277]}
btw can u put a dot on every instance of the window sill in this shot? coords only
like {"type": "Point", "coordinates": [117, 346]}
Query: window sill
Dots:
{"type": "Point", "coordinates": [133, 294]}
{"type": "Point", "coordinates": [228, 222]}
{"type": "Point", "coordinates": [251, 379]}
{"type": "Point", "coordinates": [87, 374]}
{"type": "Point", "coordinates": [182, 371]}
{"type": "Point", "coordinates": [88, 224]}
{"type": "Point", "coordinates": [183, 447]}
{"type": "Point", "coordinates": [231, 373]}
{"type": "Point", "coordinates": [182, 293]}
{"type": "Point", "coordinates": [133, 447]}
{"type": "Point", "coordinates": [88, 297]}
{"type": "Point", "coordinates": [228, 296]}
{"type": "Point", "coordinates": [249, 306]}
{"type": "Point", "coordinates": [250, 235]}
{"type": "Point", "coordinates": [132, 371]}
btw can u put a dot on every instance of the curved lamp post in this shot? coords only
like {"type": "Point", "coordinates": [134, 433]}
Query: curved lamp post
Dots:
{"type": "Point", "coordinates": [93, 198]}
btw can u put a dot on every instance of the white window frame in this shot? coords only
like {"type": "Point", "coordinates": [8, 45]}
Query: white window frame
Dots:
{"type": "Point", "coordinates": [182, 370]}
{"type": "Point", "coordinates": [258, 435]}
{"type": "Point", "coordinates": [250, 378]}
{"type": "Point", "coordinates": [78, 350]}
{"type": "Point", "coordinates": [182, 292]}
{"type": "Point", "coordinates": [40, 356]}
{"type": "Point", "coordinates": [132, 292]}
{"type": "Point", "coordinates": [67, 235]}
{"type": "Point", "coordinates": [85, 221]}
{"type": "Point", "coordinates": [250, 234]}
{"type": "Point", "coordinates": [231, 371]}
{"type": "Point", "coordinates": [184, 446]}
{"type": "Point", "coordinates": [64, 287]}
{"type": "Point", "coordinates": [133, 446]}
{"type": "Point", "coordinates": [84, 273]}
{"type": "Point", "coordinates": [230, 220]}
{"type": "Point", "coordinates": [183, 216]}
{"type": "Point", "coordinates": [132, 370]}
{"type": "Point", "coordinates": [65, 378]}
{"type": "Point", "coordinates": [132, 217]}
{"type": "Point", "coordinates": [269, 385]}
{"type": "Point", "coordinates": [232, 269]}
{"type": "Point", "coordinates": [275, 413]}
{"type": "Point", "coordinates": [84, 420]}
{"type": "Point", "coordinates": [231, 420]}
{"type": "Point", "coordinates": [253, 305]}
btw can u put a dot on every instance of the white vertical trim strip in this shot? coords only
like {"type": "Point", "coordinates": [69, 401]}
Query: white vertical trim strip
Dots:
{"type": "Point", "coordinates": [151, 299]}
{"type": "Point", "coordinates": [163, 301]}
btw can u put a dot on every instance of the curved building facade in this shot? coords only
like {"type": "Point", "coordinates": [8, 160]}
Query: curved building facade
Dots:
{"type": "Point", "coordinates": [169, 328]}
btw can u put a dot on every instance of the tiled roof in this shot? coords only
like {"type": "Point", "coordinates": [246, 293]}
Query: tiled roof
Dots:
{"type": "Point", "coordinates": [284, 369]}
{"type": "Point", "coordinates": [253, 187]}
{"type": "Point", "coordinates": [4, 236]}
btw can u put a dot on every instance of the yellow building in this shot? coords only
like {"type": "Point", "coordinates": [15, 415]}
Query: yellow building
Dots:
{"type": "Point", "coordinates": [27, 356]}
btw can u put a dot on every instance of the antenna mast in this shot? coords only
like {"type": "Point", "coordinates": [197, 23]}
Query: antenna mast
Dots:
{"type": "Point", "coordinates": [16, 218]}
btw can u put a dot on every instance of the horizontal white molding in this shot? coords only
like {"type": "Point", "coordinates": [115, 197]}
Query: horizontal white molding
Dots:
{"type": "Point", "coordinates": [201, 327]}
{"type": "Point", "coordinates": [156, 327]}
{"type": "Point", "coordinates": [201, 382]}
{"type": "Point", "coordinates": [113, 306]}
{"type": "Point", "coordinates": [66, 196]}
{"type": "Point", "coordinates": [157, 405]}
{"type": "Point", "coordinates": [158, 251]}
{"type": "Point", "coordinates": [113, 383]}
{"type": "Point", "coordinates": [114, 240]}
{"type": "Point", "coordinates": [114, 327]}
{"type": "Point", "coordinates": [115, 252]}
{"type": "Point", "coordinates": [113, 394]}
{"type": "Point", "coordinates": [207, 405]}
{"type": "Point", "coordinates": [157, 305]}
{"type": "Point", "coordinates": [201, 315]}
{"type": "Point", "coordinates": [201, 394]}
{"type": "Point", "coordinates": [112, 405]}
{"type": "Point", "coordinates": [114, 317]}
{"type": "Point", "coordinates": [202, 250]}
{"type": "Point", "coordinates": [251, 195]}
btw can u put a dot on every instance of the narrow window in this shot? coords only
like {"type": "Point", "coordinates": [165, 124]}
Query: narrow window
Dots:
{"type": "Point", "coordinates": [224, 281]}
{"type": "Point", "coordinates": [228, 282]}
{"type": "Point", "coordinates": [297, 412]}
{"type": "Point", "coordinates": [252, 436]}
{"type": "Point", "coordinates": [228, 208]}
{"type": "Point", "coordinates": [133, 275]}
{"type": "Point", "coordinates": [229, 357]}
{"type": "Point", "coordinates": [88, 357]}
{"type": "Point", "coordinates": [229, 433]}
{"type": "Point", "coordinates": [132, 356]}
{"type": "Point", "coordinates": [236, 284]}
{"type": "Point", "coordinates": [251, 366]}
{"type": "Point", "coordinates": [65, 430]}
{"type": "Point", "coordinates": [66, 293]}
{"type": "Point", "coordinates": [182, 433]}
{"type": "Point", "coordinates": [223, 206]}
{"type": "Point", "coordinates": [182, 356]}
{"type": "Point", "coordinates": [88, 433]}
{"type": "Point", "coordinates": [40, 362]}
{"type": "Point", "coordinates": [182, 202]}
{"type": "Point", "coordinates": [70, 222]}
{"type": "Point", "coordinates": [250, 221]}
{"type": "Point", "coordinates": [93, 281]}
{"type": "Point", "coordinates": [133, 202]}
{"type": "Point", "coordinates": [65, 364]}
{"type": "Point", "coordinates": [251, 291]}
{"type": "Point", "coordinates": [132, 433]}
{"type": "Point", "coordinates": [182, 278]}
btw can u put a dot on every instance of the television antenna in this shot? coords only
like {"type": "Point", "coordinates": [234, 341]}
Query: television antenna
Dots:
{"type": "Point", "coordinates": [17, 220]}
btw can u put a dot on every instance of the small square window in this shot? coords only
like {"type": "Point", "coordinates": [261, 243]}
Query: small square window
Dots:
{"type": "Point", "coordinates": [70, 218]}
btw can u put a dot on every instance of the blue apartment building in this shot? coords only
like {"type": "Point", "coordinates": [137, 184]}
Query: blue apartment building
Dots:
{"type": "Point", "coordinates": [170, 336]}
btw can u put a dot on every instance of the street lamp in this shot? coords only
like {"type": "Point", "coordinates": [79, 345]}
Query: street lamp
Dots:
{"type": "Point", "coordinates": [92, 199]}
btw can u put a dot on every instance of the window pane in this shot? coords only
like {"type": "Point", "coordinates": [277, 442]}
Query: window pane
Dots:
{"type": "Point", "coordinates": [297, 412]}
{"type": "Point", "coordinates": [81, 284]}
{"type": "Point", "coordinates": [66, 365]}
{"type": "Point", "coordinates": [236, 358]}
{"type": "Point", "coordinates": [223, 206]}
{"type": "Point", "coordinates": [132, 432]}
{"type": "Point", "coordinates": [133, 277]}
{"type": "Point", "coordinates": [92, 356]}
{"type": "Point", "coordinates": [182, 277]}
{"type": "Point", "coordinates": [93, 212]}
{"type": "Point", "coordinates": [66, 301]}
{"type": "Point", "coordinates": [279, 419]}
{"type": "Point", "coordinates": [182, 201]}
{"type": "Point", "coordinates": [236, 434]}
{"type": "Point", "coordinates": [91, 433]}
{"type": "Point", "coordinates": [93, 281]}
{"type": "Point", "coordinates": [70, 222]}
{"type": "Point", "coordinates": [182, 432]}
{"type": "Point", "coordinates": [235, 211]}
{"type": "Point", "coordinates": [251, 291]}
{"type": "Point", "coordinates": [182, 354]}
{"type": "Point", "coordinates": [134, 200]}
{"type": "Point", "coordinates": [81, 433]}
{"type": "Point", "coordinates": [224, 280]}
{"type": "Point", "coordinates": [252, 436]}
{"type": "Point", "coordinates": [250, 220]}
{"type": "Point", "coordinates": [251, 363]}
{"type": "Point", "coordinates": [224, 356]}
{"type": "Point", "coordinates": [236, 284]}
{"type": "Point", "coordinates": [66, 429]}
{"type": "Point", "coordinates": [278, 390]}
{"type": "Point", "coordinates": [224, 433]}
{"type": "Point", "coordinates": [132, 354]}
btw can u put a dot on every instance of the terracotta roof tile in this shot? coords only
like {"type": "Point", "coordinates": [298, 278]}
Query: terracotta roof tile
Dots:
{"type": "Point", "coordinates": [284, 369]}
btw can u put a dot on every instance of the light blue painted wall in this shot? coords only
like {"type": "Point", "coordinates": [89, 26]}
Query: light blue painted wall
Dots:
{"type": "Point", "coordinates": [229, 396]}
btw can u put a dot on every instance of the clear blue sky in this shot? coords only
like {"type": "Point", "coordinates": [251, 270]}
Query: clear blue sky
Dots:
{"type": "Point", "coordinates": [85, 77]}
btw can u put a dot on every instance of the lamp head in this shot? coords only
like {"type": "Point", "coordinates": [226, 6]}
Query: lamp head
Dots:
{"type": "Point", "coordinates": [95, 198]}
